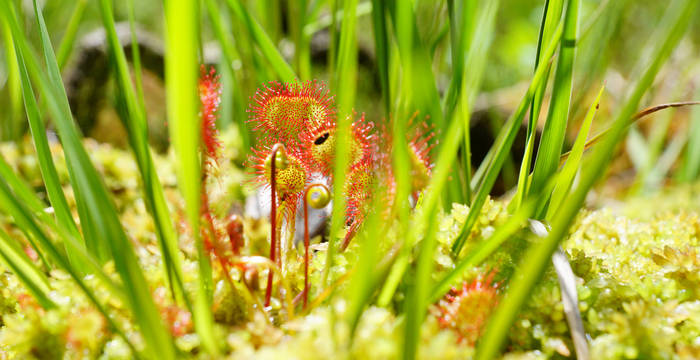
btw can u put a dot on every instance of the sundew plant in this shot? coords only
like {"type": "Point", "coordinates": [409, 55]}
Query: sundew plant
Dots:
{"type": "Point", "coordinates": [349, 179]}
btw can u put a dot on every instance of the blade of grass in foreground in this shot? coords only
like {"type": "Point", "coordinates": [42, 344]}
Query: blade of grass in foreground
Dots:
{"type": "Point", "coordinates": [66, 47]}
{"type": "Point", "coordinates": [550, 19]}
{"type": "Point", "coordinates": [470, 84]}
{"type": "Point", "coordinates": [461, 27]}
{"type": "Point", "coordinates": [49, 174]}
{"type": "Point", "coordinates": [22, 217]}
{"type": "Point", "coordinates": [232, 92]}
{"type": "Point", "coordinates": [135, 52]}
{"type": "Point", "coordinates": [502, 146]}
{"type": "Point", "coordinates": [267, 47]}
{"type": "Point", "coordinates": [573, 162]}
{"type": "Point", "coordinates": [10, 123]}
{"type": "Point", "coordinates": [28, 274]}
{"type": "Point", "coordinates": [134, 121]}
{"type": "Point", "coordinates": [488, 246]}
{"type": "Point", "coordinates": [538, 257]}
{"type": "Point", "coordinates": [554, 132]}
{"type": "Point", "coordinates": [417, 299]}
{"type": "Point", "coordinates": [418, 88]}
{"type": "Point", "coordinates": [365, 275]}
{"type": "Point", "coordinates": [346, 85]}
{"type": "Point", "coordinates": [691, 160]}
{"type": "Point", "coordinates": [181, 71]}
{"type": "Point", "coordinates": [381, 48]}
{"type": "Point", "coordinates": [78, 256]}
{"type": "Point", "coordinates": [445, 160]}
{"type": "Point", "coordinates": [99, 212]}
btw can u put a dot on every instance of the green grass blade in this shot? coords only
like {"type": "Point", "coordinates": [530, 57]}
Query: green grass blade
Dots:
{"type": "Point", "coordinates": [28, 274]}
{"type": "Point", "coordinates": [136, 125]}
{"type": "Point", "coordinates": [296, 20]}
{"type": "Point", "coordinates": [381, 48]}
{"type": "Point", "coordinates": [488, 246]}
{"type": "Point", "coordinates": [538, 257]}
{"type": "Point", "coordinates": [346, 84]}
{"type": "Point", "coordinates": [573, 162]}
{"type": "Point", "coordinates": [22, 190]}
{"type": "Point", "coordinates": [418, 88]}
{"type": "Point", "coordinates": [24, 220]}
{"type": "Point", "coordinates": [325, 21]}
{"type": "Point", "coordinates": [550, 19]}
{"type": "Point", "coordinates": [501, 148]}
{"type": "Point", "coordinates": [690, 168]}
{"type": "Point", "coordinates": [64, 224]}
{"type": "Point", "coordinates": [66, 47]}
{"type": "Point", "coordinates": [135, 53]}
{"type": "Point", "coordinates": [266, 46]}
{"type": "Point", "coordinates": [98, 211]}
{"type": "Point", "coordinates": [461, 27]}
{"type": "Point", "coordinates": [181, 71]}
{"type": "Point", "coordinates": [366, 275]}
{"type": "Point", "coordinates": [232, 89]}
{"type": "Point", "coordinates": [444, 165]}
{"type": "Point", "coordinates": [416, 303]}
{"type": "Point", "coordinates": [554, 132]}
{"type": "Point", "coordinates": [11, 120]}
{"type": "Point", "coordinates": [52, 183]}
{"type": "Point", "coordinates": [475, 65]}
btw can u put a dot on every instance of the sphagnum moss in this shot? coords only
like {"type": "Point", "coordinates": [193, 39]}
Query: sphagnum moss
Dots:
{"type": "Point", "coordinates": [637, 283]}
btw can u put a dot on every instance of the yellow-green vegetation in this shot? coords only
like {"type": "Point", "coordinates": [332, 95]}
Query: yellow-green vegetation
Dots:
{"type": "Point", "coordinates": [637, 279]}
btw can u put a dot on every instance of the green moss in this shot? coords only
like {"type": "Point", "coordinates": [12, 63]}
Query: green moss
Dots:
{"type": "Point", "coordinates": [637, 279]}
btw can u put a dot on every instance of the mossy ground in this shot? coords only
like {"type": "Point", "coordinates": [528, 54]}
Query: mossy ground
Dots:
{"type": "Point", "coordinates": [636, 263]}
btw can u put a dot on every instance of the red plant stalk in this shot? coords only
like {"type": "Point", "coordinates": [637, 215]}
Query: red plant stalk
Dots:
{"type": "Point", "coordinates": [273, 220]}
{"type": "Point", "coordinates": [306, 247]}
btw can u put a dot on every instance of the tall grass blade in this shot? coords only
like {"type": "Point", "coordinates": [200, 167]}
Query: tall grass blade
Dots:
{"type": "Point", "coordinates": [135, 52]}
{"type": "Point", "coordinates": [232, 89]}
{"type": "Point", "coordinates": [416, 303]}
{"type": "Point", "coordinates": [52, 183]}
{"type": "Point", "coordinates": [181, 71]}
{"type": "Point", "coordinates": [346, 87]}
{"type": "Point", "coordinates": [93, 196]}
{"type": "Point", "coordinates": [11, 120]}
{"type": "Point", "coordinates": [573, 162]}
{"type": "Point", "coordinates": [554, 132]}
{"type": "Point", "coordinates": [24, 220]}
{"type": "Point", "coordinates": [68, 40]}
{"type": "Point", "coordinates": [537, 258]}
{"type": "Point", "coordinates": [502, 145]}
{"type": "Point", "coordinates": [550, 19]}
{"type": "Point", "coordinates": [488, 246]}
{"type": "Point", "coordinates": [381, 48]}
{"type": "Point", "coordinates": [266, 46]}
{"type": "Point", "coordinates": [690, 168]}
{"type": "Point", "coordinates": [418, 88]}
{"type": "Point", "coordinates": [28, 274]}
{"type": "Point", "coordinates": [134, 119]}
{"type": "Point", "coordinates": [461, 27]}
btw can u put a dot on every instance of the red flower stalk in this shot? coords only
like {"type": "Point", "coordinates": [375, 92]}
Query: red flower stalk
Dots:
{"type": "Point", "coordinates": [465, 310]}
{"type": "Point", "coordinates": [210, 98]}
